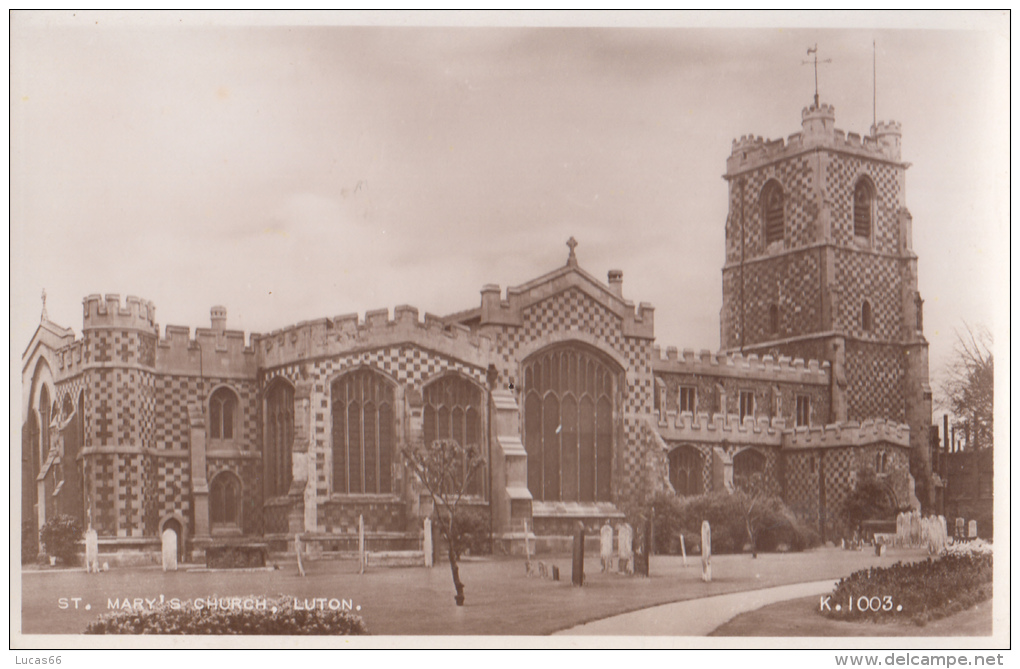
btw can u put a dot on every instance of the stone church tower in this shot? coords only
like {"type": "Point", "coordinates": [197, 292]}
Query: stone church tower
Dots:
{"type": "Point", "coordinates": [819, 266]}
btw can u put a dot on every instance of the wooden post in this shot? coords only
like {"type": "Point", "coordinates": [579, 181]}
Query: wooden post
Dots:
{"type": "Point", "coordinates": [683, 548]}
{"type": "Point", "coordinates": [427, 541]}
{"type": "Point", "coordinates": [706, 552]}
{"type": "Point", "coordinates": [577, 573]}
{"type": "Point", "coordinates": [361, 544]}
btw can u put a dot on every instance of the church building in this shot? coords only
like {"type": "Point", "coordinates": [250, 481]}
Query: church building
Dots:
{"type": "Point", "coordinates": [821, 376]}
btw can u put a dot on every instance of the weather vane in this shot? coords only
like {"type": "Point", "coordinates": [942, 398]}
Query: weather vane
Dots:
{"type": "Point", "coordinates": [45, 316]}
{"type": "Point", "coordinates": [814, 50]}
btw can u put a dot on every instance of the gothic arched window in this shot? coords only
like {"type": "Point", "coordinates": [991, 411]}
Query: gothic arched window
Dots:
{"type": "Point", "coordinates": [864, 197]}
{"type": "Point", "coordinates": [363, 433]}
{"type": "Point", "coordinates": [772, 212]}
{"type": "Point", "coordinates": [746, 464]}
{"type": "Point", "coordinates": [44, 425]}
{"type": "Point", "coordinates": [453, 410]}
{"type": "Point", "coordinates": [223, 414]}
{"type": "Point", "coordinates": [225, 500]}
{"type": "Point", "coordinates": [685, 470]}
{"type": "Point", "coordinates": [568, 424]}
{"type": "Point", "coordinates": [279, 438]}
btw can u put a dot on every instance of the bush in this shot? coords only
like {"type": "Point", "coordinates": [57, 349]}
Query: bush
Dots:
{"type": "Point", "coordinates": [473, 530]}
{"type": "Point", "coordinates": [925, 590]}
{"type": "Point", "coordinates": [185, 618]}
{"type": "Point", "coordinates": [60, 536]}
{"type": "Point", "coordinates": [776, 524]}
{"type": "Point", "coordinates": [29, 546]}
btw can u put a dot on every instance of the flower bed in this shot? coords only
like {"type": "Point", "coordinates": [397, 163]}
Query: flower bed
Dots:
{"type": "Point", "coordinates": [253, 614]}
{"type": "Point", "coordinates": [920, 591]}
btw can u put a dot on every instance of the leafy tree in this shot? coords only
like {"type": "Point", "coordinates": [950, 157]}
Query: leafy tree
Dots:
{"type": "Point", "coordinates": [969, 386]}
{"type": "Point", "coordinates": [446, 469]}
{"type": "Point", "coordinates": [758, 506]}
{"type": "Point", "coordinates": [868, 501]}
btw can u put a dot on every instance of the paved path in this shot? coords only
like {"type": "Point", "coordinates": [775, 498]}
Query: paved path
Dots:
{"type": "Point", "coordinates": [696, 617]}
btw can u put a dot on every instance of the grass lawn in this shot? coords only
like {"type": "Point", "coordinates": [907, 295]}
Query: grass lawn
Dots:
{"type": "Point", "coordinates": [799, 617]}
{"type": "Point", "coordinates": [501, 599]}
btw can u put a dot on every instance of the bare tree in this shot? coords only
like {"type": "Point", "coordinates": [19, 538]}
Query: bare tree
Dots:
{"type": "Point", "coordinates": [446, 469]}
{"type": "Point", "coordinates": [969, 386]}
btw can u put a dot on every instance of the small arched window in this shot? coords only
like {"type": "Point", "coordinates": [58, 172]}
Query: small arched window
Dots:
{"type": "Point", "coordinates": [864, 197]}
{"type": "Point", "coordinates": [223, 414]}
{"type": "Point", "coordinates": [772, 212]}
{"type": "Point", "coordinates": [225, 500]}
{"type": "Point", "coordinates": [774, 319]}
{"type": "Point", "coordinates": [866, 316]}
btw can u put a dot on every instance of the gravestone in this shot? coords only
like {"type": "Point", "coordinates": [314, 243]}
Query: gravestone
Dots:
{"type": "Point", "coordinates": [606, 546]}
{"type": "Point", "coordinates": [577, 571]}
{"type": "Point", "coordinates": [91, 551]}
{"type": "Point", "coordinates": [972, 529]}
{"type": "Point", "coordinates": [959, 529]}
{"type": "Point", "coordinates": [169, 550]}
{"type": "Point", "coordinates": [706, 551]}
{"type": "Point", "coordinates": [555, 573]}
{"type": "Point", "coordinates": [626, 549]}
{"type": "Point", "coordinates": [427, 541]}
{"type": "Point", "coordinates": [643, 550]}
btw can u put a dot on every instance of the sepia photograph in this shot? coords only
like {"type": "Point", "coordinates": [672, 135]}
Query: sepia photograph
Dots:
{"type": "Point", "coordinates": [510, 330]}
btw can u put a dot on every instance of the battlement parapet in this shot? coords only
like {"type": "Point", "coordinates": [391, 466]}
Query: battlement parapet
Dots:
{"type": "Point", "coordinates": [210, 352]}
{"type": "Point", "coordinates": [70, 358]}
{"type": "Point", "coordinates": [750, 366]}
{"type": "Point", "coordinates": [848, 434]}
{"type": "Point", "coordinates": [107, 312]}
{"type": "Point", "coordinates": [347, 332]}
{"type": "Point", "coordinates": [751, 151]}
{"type": "Point", "coordinates": [717, 428]}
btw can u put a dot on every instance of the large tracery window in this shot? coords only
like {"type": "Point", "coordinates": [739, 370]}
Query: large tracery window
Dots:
{"type": "Point", "coordinates": [685, 470]}
{"type": "Point", "coordinates": [453, 410]}
{"type": "Point", "coordinates": [363, 433]}
{"type": "Point", "coordinates": [568, 425]}
{"type": "Point", "coordinates": [772, 212]}
{"type": "Point", "coordinates": [279, 438]}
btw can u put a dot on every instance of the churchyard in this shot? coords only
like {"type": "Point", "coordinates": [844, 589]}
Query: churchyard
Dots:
{"type": "Point", "coordinates": [504, 595]}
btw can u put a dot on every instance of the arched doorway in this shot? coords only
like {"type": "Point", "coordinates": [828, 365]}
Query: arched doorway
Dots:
{"type": "Point", "coordinates": [175, 525]}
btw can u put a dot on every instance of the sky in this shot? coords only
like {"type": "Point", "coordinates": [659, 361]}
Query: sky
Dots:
{"type": "Point", "coordinates": [290, 171]}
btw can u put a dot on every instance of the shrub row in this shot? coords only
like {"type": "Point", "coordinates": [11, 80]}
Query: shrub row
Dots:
{"type": "Point", "coordinates": [777, 527]}
{"type": "Point", "coordinates": [187, 619]}
{"type": "Point", "coordinates": [926, 590]}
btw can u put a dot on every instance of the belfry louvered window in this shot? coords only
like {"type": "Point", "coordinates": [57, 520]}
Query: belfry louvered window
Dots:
{"type": "Point", "coordinates": [772, 212]}
{"type": "Point", "coordinates": [568, 425]}
{"type": "Point", "coordinates": [864, 196]}
{"type": "Point", "coordinates": [363, 433]}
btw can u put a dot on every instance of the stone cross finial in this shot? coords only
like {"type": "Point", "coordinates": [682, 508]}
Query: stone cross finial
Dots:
{"type": "Point", "coordinates": [572, 259]}
{"type": "Point", "coordinates": [44, 316]}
